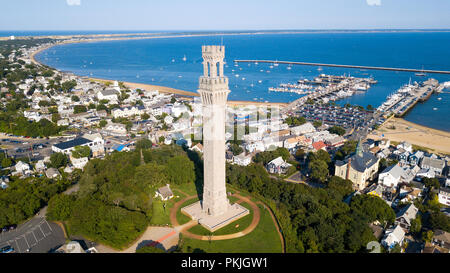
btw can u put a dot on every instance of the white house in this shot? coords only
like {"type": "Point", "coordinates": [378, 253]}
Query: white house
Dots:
{"type": "Point", "coordinates": [165, 193]}
{"type": "Point", "coordinates": [22, 167]}
{"type": "Point", "coordinates": [79, 163]}
{"type": "Point", "coordinates": [390, 176]}
{"type": "Point", "coordinates": [52, 173]}
{"type": "Point", "coordinates": [444, 196]}
{"type": "Point", "coordinates": [257, 146]}
{"type": "Point", "coordinates": [278, 166]}
{"type": "Point", "coordinates": [303, 129]}
{"type": "Point", "coordinates": [108, 94]}
{"type": "Point", "coordinates": [32, 115]}
{"type": "Point", "coordinates": [116, 128]}
{"type": "Point", "coordinates": [406, 146]}
{"type": "Point", "coordinates": [242, 159]}
{"type": "Point", "coordinates": [393, 236]}
{"type": "Point", "coordinates": [126, 112]}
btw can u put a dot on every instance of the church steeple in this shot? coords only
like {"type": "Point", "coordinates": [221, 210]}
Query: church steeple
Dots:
{"type": "Point", "coordinates": [359, 149]}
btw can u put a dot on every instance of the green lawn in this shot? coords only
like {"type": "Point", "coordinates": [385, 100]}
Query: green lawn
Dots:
{"type": "Point", "coordinates": [160, 215]}
{"type": "Point", "coordinates": [264, 239]}
{"type": "Point", "coordinates": [181, 218]}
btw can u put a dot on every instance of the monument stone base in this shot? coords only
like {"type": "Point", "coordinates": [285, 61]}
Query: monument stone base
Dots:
{"type": "Point", "coordinates": [214, 223]}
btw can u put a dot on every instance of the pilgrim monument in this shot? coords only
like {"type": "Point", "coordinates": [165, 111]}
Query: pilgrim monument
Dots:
{"type": "Point", "coordinates": [215, 210]}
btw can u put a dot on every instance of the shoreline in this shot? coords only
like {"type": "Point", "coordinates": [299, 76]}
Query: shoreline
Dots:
{"type": "Point", "coordinates": [162, 89]}
{"type": "Point", "coordinates": [436, 140]}
{"type": "Point", "coordinates": [429, 132]}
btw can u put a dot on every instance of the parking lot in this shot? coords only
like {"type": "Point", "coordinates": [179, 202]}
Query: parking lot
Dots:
{"type": "Point", "coordinates": [35, 236]}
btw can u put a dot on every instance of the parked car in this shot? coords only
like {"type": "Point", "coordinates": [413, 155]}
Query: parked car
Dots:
{"type": "Point", "coordinates": [6, 249]}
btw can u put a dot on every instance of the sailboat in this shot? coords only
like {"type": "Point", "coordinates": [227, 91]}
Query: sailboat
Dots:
{"type": "Point", "coordinates": [184, 58]}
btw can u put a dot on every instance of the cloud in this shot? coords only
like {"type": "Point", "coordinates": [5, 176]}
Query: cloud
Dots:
{"type": "Point", "coordinates": [73, 2]}
{"type": "Point", "coordinates": [373, 2]}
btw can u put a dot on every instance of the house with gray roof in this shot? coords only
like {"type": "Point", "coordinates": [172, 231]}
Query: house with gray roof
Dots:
{"type": "Point", "coordinates": [165, 193]}
{"type": "Point", "coordinates": [406, 215]}
{"type": "Point", "coordinates": [391, 176]}
{"type": "Point", "coordinates": [433, 164]}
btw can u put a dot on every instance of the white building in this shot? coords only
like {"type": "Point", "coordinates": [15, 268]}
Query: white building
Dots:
{"type": "Point", "coordinates": [444, 196]}
{"type": "Point", "coordinates": [303, 129]}
{"type": "Point", "coordinates": [22, 167]}
{"type": "Point", "coordinates": [117, 128]}
{"type": "Point", "coordinates": [391, 176]}
{"type": "Point", "coordinates": [126, 112]}
{"type": "Point", "coordinates": [393, 236]}
{"type": "Point", "coordinates": [108, 94]}
{"type": "Point", "coordinates": [79, 163]}
{"type": "Point", "coordinates": [242, 159]}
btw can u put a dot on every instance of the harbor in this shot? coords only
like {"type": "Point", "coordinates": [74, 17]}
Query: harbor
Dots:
{"type": "Point", "coordinates": [408, 96]}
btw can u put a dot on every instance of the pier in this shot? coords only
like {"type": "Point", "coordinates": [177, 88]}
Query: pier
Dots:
{"type": "Point", "coordinates": [347, 66]}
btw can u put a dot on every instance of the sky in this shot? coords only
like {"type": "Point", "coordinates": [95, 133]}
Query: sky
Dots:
{"type": "Point", "coordinates": [223, 15]}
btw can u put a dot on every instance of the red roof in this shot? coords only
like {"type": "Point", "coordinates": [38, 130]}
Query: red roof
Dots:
{"type": "Point", "coordinates": [319, 145]}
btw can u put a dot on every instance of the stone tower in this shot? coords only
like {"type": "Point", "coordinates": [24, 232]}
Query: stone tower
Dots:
{"type": "Point", "coordinates": [213, 90]}
{"type": "Point", "coordinates": [214, 211]}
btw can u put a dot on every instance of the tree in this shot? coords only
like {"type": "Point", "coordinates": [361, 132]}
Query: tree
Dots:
{"type": "Point", "coordinates": [55, 117]}
{"type": "Point", "coordinates": [427, 236]}
{"type": "Point", "coordinates": [317, 123]}
{"type": "Point", "coordinates": [68, 85]}
{"type": "Point", "coordinates": [81, 151]}
{"type": "Point", "coordinates": [144, 144]}
{"type": "Point", "coordinates": [103, 123]}
{"type": "Point", "coordinates": [236, 149]}
{"type": "Point", "coordinates": [416, 225]}
{"type": "Point", "coordinates": [6, 162]}
{"type": "Point", "coordinates": [145, 116]}
{"type": "Point", "coordinates": [150, 249]}
{"type": "Point", "coordinates": [319, 170]}
{"type": "Point", "coordinates": [79, 109]}
{"type": "Point", "coordinates": [75, 98]}
{"type": "Point", "coordinates": [180, 170]}
{"type": "Point", "coordinates": [319, 155]}
{"type": "Point", "coordinates": [60, 207]}
{"type": "Point", "coordinates": [343, 186]}
{"type": "Point", "coordinates": [337, 130]}
{"type": "Point", "coordinates": [58, 160]}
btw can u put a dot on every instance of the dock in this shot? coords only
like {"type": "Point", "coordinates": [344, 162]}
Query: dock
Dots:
{"type": "Point", "coordinates": [347, 66]}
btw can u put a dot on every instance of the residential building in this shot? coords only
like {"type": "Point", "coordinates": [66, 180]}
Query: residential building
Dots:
{"type": "Point", "coordinates": [406, 215]}
{"type": "Point", "coordinates": [242, 159]}
{"type": "Point", "coordinates": [433, 164]}
{"type": "Point", "coordinates": [278, 166]}
{"type": "Point", "coordinates": [390, 177]}
{"type": "Point", "coordinates": [165, 193]}
{"type": "Point", "coordinates": [108, 94]}
{"type": "Point", "coordinates": [444, 196]}
{"type": "Point", "coordinates": [393, 236]}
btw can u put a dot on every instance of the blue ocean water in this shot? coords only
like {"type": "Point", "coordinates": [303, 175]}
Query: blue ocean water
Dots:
{"type": "Point", "coordinates": [160, 62]}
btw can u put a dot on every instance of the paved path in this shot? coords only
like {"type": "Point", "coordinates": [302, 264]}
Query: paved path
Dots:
{"type": "Point", "coordinates": [167, 237]}
{"type": "Point", "coordinates": [184, 228]}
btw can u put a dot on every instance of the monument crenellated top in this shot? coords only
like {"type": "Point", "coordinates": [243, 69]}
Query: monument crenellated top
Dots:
{"type": "Point", "coordinates": [210, 49]}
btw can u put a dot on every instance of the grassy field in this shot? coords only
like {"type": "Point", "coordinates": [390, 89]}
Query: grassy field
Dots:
{"type": "Point", "coordinates": [264, 239]}
{"type": "Point", "coordinates": [160, 215]}
{"type": "Point", "coordinates": [181, 218]}
{"type": "Point", "coordinates": [242, 223]}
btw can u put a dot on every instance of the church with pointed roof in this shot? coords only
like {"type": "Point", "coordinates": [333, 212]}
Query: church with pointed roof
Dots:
{"type": "Point", "coordinates": [360, 168]}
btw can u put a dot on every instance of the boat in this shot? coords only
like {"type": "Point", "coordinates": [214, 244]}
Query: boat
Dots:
{"type": "Point", "coordinates": [271, 66]}
{"type": "Point", "coordinates": [439, 98]}
{"type": "Point", "coordinates": [319, 69]}
{"type": "Point", "coordinates": [421, 74]}
{"type": "Point", "coordinates": [435, 109]}
{"type": "Point", "coordinates": [184, 58]}
{"type": "Point", "coordinates": [259, 81]}
{"type": "Point", "coordinates": [256, 63]}
{"type": "Point", "coordinates": [173, 60]}
{"type": "Point", "coordinates": [289, 67]}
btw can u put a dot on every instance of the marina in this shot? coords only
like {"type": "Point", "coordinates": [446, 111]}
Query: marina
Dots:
{"type": "Point", "coordinates": [408, 96]}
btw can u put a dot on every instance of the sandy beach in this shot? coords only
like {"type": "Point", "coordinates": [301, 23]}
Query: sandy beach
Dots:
{"type": "Point", "coordinates": [436, 140]}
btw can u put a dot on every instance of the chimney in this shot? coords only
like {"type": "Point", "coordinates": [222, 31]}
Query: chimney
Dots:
{"type": "Point", "coordinates": [349, 164]}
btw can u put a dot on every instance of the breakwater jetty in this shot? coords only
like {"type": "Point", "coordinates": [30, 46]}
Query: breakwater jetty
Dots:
{"type": "Point", "coordinates": [347, 66]}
